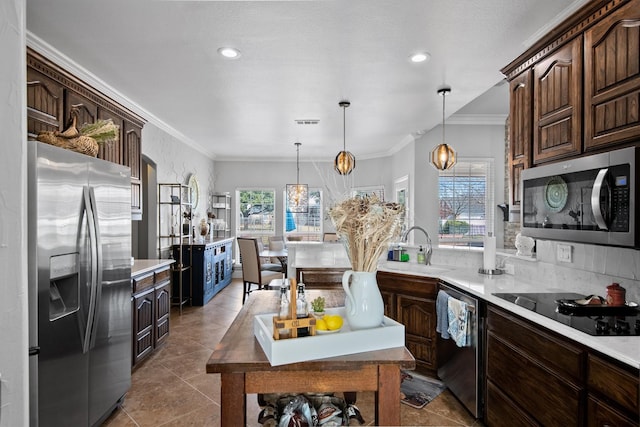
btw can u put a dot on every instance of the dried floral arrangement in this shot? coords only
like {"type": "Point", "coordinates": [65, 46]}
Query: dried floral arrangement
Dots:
{"type": "Point", "coordinates": [366, 225]}
{"type": "Point", "coordinates": [87, 140]}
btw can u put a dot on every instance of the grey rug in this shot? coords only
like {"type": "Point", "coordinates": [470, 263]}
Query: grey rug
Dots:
{"type": "Point", "coordinates": [417, 391]}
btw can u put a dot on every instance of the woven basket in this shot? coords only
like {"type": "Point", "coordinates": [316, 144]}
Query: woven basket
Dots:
{"type": "Point", "coordinates": [70, 139]}
{"type": "Point", "coordinates": [81, 144]}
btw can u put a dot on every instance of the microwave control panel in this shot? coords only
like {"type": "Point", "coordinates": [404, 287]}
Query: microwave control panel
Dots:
{"type": "Point", "coordinates": [620, 194]}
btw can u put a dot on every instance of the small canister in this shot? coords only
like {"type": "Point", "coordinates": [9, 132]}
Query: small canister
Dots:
{"type": "Point", "coordinates": [616, 294]}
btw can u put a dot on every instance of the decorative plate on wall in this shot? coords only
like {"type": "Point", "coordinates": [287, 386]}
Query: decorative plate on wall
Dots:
{"type": "Point", "coordinates": [195, 190]}
{"type": "Point", "coordinates": [555, 194]}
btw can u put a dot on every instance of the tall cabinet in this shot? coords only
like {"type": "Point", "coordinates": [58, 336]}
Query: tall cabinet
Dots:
{"type": "Point", "coordinates": [577, 90]}
{"type": "Point", "coordinates": [54, 95]}
{"type": "Point", "coordinates": [174, 220]}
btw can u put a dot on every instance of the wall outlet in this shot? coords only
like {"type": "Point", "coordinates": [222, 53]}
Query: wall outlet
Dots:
{"type": "Point", "coordinates": [564, 253]}
{"type": "Point", "coordinates": [509, 269]}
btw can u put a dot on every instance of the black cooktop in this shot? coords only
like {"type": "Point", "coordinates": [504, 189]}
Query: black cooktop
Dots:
{"type": "Point", "coordinates": [617, 322]}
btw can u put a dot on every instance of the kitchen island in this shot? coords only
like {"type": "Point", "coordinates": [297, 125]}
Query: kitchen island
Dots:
{"type": "Point", "coordinates": [245, 368]}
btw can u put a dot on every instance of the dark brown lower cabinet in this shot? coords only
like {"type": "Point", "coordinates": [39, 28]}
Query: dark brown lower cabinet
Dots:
{"type": "Point", "coordinates": [411, 300]}
{"type": "Point", "coordinates": [537, 377]}
{"type": "Point", "coordinates": [151, 304]}
{"type": "Point", "coordinates": [321, 278]}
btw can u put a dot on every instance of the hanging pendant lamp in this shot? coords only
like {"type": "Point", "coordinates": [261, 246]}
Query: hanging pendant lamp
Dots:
{"type": "Point", "coordinates": [345, 162]}
{"type": "Point", "coordinates": [298, 194]}
{"type": "Point", "coordinates": [443, 156]}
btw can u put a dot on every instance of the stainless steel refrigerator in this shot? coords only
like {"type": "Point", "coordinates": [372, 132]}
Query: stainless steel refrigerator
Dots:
{"type": "Point", "coordinates": [79, 286]}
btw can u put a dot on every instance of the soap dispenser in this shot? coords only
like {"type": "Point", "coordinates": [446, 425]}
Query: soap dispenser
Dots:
{"type": "Point", "coordinates": [421, 256]}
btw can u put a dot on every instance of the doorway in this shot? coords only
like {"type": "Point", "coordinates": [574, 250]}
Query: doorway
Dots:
{"type": "Point", "coordinates": [144, 233]}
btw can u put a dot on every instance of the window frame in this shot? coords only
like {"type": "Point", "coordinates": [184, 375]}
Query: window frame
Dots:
{"type": "Point", "coordinates": [313, 235]}
{"type": "Point", "coordinates": [473, 240]}
{"type": "Point", "coordinates": [239, 229]}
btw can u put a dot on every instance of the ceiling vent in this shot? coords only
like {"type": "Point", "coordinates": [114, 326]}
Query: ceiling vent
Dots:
{"type": "Point", "coordinates": [307, 121]}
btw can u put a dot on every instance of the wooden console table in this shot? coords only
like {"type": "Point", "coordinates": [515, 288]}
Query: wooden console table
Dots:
{"type": "Point", "coordinates": [245, 369]}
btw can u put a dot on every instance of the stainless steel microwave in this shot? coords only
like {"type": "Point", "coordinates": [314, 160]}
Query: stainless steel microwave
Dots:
{"type": "Point", "coordinates": [591, 199]}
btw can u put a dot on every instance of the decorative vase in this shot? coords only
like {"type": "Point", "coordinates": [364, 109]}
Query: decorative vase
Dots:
{"type": "Point", "coordinates": [204, 227]}
{"type": "Point", "coordinates": [364, 305]}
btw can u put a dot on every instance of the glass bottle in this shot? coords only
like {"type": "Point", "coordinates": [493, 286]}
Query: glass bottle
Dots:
{"type": "Point", "coordinates": [284, 302]}
{"type": "Point", "coordinates": [301, 302]}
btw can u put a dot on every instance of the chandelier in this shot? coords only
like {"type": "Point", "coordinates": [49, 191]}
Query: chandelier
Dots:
{"type": "Point", "coordinates": [443, 156]}
{"type": "Point", "coordinates": [298, 194]}
{"type": "Point", "coordinates": [345, 162]}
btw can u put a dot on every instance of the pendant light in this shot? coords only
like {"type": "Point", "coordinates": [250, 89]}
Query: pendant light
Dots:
{"type": "Point", "coordinates": [443, 156]}
{"type": "Point", "coordinates": [298, 194]}
{"type": "Point", "coordinates": [345, 162]}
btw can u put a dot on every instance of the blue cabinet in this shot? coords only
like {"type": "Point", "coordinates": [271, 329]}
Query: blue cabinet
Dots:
{"type": "Point", "coordinates": [211, 268]}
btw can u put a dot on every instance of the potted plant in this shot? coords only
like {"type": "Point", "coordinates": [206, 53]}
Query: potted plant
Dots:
{"type": "Point", "coordinates": [317, 307]}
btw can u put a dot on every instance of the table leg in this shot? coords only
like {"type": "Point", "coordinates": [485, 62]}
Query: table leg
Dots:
{"type": "Point", "coordinates": [388, 396]}
{"type": "Point", "coordinates": [233, 401]}
{"type": "Point", "coordinates": [283, 263]}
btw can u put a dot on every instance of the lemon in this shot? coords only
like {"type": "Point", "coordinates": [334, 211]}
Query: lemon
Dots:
{"type": "Point", "coordinates": [333, 321]}
{"type": "Point", "coordinates": [321, 325]}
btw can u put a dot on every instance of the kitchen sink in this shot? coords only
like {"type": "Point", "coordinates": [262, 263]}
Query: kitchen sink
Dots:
{"type": "Point", "coordinates": [412, 267]}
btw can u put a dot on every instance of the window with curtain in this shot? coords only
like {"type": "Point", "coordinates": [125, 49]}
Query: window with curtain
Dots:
{"type": "Point", "coordinates": [466, 203]}
{"type": "Point", "coordinates": [308, 225]}
{"type": "Point", "coordinates": [255, 212]}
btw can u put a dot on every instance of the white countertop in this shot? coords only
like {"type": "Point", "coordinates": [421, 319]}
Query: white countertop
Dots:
{"type": "Point", "coordinates": [142, 266]}
{"type": "Point", "coordinates": [623, 348]}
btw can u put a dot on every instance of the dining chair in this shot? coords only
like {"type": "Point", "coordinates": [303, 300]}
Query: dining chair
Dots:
{"type": "Point", "coordinates": [253, 272]}
{"type": "Point", "coordinates": [276, 243]}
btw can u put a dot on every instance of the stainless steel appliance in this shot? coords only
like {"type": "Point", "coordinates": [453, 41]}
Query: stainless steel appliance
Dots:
{"type": "Point", "coordinates": [79, 286]}
{"type": "Point", "coordinates": [461, 367]}
{"type": "Point", "coordinates": [592, 320]}
{"type": "Point", "coordinates": [591, 199]}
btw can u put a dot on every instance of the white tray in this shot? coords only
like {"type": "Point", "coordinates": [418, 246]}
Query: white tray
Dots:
{"type": "Point", "coordinates": [347, 341]}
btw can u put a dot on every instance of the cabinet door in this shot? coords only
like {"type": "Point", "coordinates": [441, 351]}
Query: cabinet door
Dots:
{"type": "Point", "coordinates": [520, 133]}
{"type": "Point", "coordinates": [131, 156]}
{"type": "Point", "coordinates": [111, 151]}
{"type": "Point", "coordinates": [85, 110]}
{"type": "Point", "coordinates": [418, 317]}
{"type": "Point", "coordinates": [538, 373]}
{"type": "Point", "coordinates": [44, 104]}
{"type": "Point", "coordinates": [321, 278]}
{"type": "Point", "coordinates": [389, 301]}
{"type": "Point", "coordinates": [211, 273]}
{"type": "Point", "coordinates": [612, 79]}
{"type": "Point", "coordinates": [162, 307]}
{"type": "Point", "coordinates": [143, 316]}
{"type": "Point", "coordinates": [602, 415]}
{"type": "Point", "coordinates": [557, 104]}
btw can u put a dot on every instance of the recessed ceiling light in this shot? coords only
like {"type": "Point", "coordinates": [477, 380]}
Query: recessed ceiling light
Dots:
{"type": "Point", "coordinates": [420, 57]}
{"type": "Point", "coordinates": [229, 52]}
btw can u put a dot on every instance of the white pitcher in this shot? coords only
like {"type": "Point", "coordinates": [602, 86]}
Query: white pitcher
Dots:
{"type": "Point", "coordinates": [364, 305]}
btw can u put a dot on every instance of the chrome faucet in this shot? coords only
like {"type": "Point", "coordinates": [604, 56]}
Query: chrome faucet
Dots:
{"type": "Point", "coordinates": [429, 251]}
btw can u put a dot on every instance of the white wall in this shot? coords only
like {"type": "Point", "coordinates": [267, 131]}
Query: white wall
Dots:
{"type": "Point", "coordinates": [14, 404]}
{"type": "Point", "coordinates": [176, 162]}
{"type": "Point", "coordinates": [232, 175]}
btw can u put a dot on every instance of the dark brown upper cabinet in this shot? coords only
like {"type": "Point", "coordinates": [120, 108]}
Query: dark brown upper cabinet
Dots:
{"type": "Point", "coordinates": [612, 79]}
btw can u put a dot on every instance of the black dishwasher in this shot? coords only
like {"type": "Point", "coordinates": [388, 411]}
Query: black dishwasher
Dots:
{"type": "Point", "coordinates": [461, 368]}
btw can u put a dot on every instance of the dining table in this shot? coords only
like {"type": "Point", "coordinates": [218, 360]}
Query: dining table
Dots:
{"type": "Point", "coordinates": [281, 254]}
{"type": "Point", "coordinates": [244, 368]}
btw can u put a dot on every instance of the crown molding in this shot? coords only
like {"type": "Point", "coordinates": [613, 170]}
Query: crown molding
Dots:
{"type": "Point", "coordinates": [42, 47]}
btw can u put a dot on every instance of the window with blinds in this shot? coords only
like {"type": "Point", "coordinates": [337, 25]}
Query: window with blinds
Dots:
{"type": "Point", "coordinates": [466, 202]}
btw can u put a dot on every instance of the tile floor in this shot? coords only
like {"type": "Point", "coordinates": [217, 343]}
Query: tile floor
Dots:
{"type": "Point", "coordinates": [171, 387]}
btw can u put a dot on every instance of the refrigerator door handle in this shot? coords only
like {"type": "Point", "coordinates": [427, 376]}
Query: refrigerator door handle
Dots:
{"type": "Point", "coordinates": [88, 208]}
{"type": "Point", "coordinates": [97, 265]}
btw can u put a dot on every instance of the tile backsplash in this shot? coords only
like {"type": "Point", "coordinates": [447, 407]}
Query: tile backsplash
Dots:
{"type": "Point", "coordinates": [592, 269]}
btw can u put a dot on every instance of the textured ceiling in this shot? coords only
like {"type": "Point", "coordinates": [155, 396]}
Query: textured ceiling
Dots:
{"type": "Point", "coordinates": [299, 59]}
